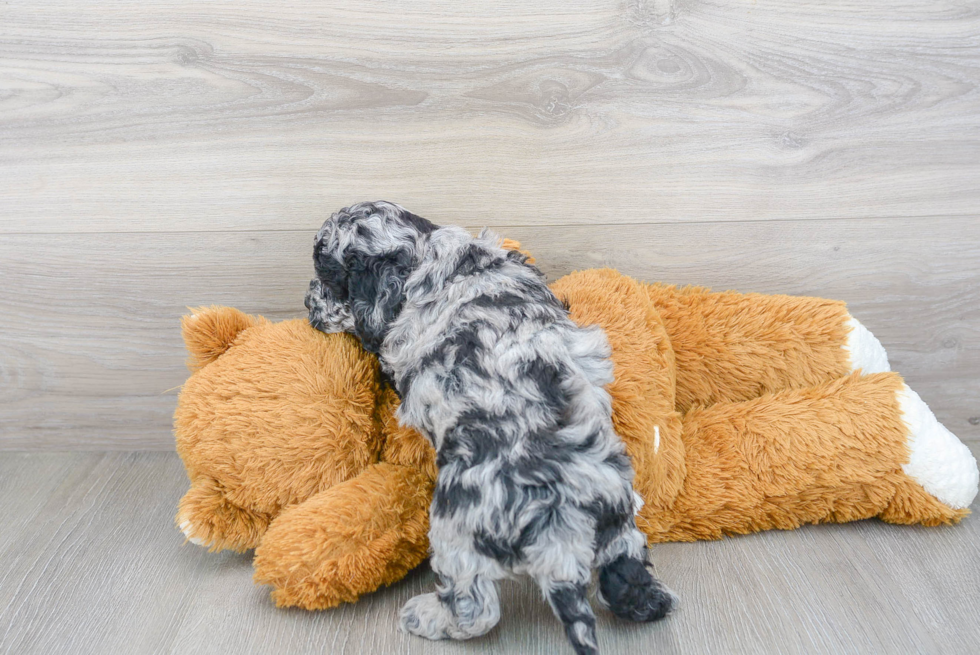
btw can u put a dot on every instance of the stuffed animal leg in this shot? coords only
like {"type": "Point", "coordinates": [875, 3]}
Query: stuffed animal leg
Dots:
{"type": "Point", "coordinates": [843, 450]}
{"type": "Point", "coordinates": [360, 535]}
{"type": "Point", "coordinates": [348, 540]}
{"type": "Point", "coordinates": [798, 357]}
{"type": "Point", "coordinates": [734, 346]}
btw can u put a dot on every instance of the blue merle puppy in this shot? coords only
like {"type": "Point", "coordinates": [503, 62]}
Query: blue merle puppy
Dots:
{"type": "Point", "coordinates": [490, 368]}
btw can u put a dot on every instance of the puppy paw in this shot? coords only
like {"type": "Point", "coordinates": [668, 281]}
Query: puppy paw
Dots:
{"type": "Point", "coordinates": [426, 616]}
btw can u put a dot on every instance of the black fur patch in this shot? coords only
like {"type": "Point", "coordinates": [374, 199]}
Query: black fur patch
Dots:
{"type": "Point", "coordinates": [571, 606]}
{"type": "Point", "coordinates": [510, 552]}
{"type": "Point", "coordinates": [548, 378]}
{"type": "Point", "coordinates": [330, 272]}
{"type": "Point", "coordinates": [620, 461]}
{"type": "Point", "coordinates": [312, 292]}
{"type": "Point", "coordinates": [475, 258]}
{"type": "Point", "coordinates": [517, 256]}
{"type": "Point", "coordinates": [471, 441]}
{"type": "Point", "coordinates": [536, 470]}
{"type": "Point", "coordinates": [461, 348]}
{"type": "Point", "coordinates": [387, 381]}
{"type": "Point", "coordinates": [518, 497]}
{"type": "Point", "coordinates": [610, 522]}
{"type": "Point", "coordinates": [376, 291]}
{"type": "Point", "coordinates": [506, 552]}
{"type": "Point", "coordinates": [453, 496]}
{"type": "Point", "coordinates": [423, 225]}
{"type": "Point", "coordinates": [458, 351]}
{"type": "Point", "coordinates": [632, 593]}
{"type": "Point", "coordinates": [503, 300]}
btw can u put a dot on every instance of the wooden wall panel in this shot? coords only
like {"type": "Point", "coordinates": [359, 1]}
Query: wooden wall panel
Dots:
{"type": "Point", "coordinates": [156, 155]}
{"type": "Point", "coordinates": [91, 349]}
{"type": "Point", "coordinates": [144, 116]}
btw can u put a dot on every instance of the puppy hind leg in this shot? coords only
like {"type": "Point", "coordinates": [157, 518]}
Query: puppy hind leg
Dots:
{"type": "Point", "coordinates": [465, 605]}
{"type": "Point", "coordinates": [560, 562]}
{"type": "Point", "coordinates": [570, 604]}
{"type": "Point", "coordinates": [626, 585]}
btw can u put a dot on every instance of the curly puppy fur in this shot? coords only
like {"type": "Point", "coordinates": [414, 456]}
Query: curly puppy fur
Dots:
{"type": "Point", "coordinates": [532, 477]}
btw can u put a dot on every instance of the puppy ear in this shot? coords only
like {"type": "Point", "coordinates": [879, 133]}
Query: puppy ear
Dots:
{"type": "Point", "coordinates": [327, 314]}
{"type": "Point", "coordinates": [376, 290]}
{"type": "Point", "coordinates": [326, 297]}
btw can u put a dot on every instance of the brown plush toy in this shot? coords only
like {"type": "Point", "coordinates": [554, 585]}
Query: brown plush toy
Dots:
{"type": "Point", "coordinates": [740, 413]}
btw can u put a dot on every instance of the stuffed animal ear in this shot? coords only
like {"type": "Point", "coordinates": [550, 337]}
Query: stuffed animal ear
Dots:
{"type": "Point", "coordinates": [376, 292]}
{"type": "Point", "coordinates": [209, 331]}
{"type": "Point", "coordinates": [511, 244]}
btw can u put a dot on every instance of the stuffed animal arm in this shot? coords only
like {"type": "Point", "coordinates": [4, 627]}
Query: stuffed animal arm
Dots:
{"type": "Point", "coordinates": [362, 534]}
{"type": "Point", "coordinates": [740, 412]}
{"type": "Point", "coordinates": [348, 540]}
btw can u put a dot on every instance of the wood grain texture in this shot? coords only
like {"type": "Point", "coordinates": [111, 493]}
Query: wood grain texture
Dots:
{"type": "Point", "coordinates": [155, 155]}
{"type": "Point", "coordinates": [153, 116]}
{"type": "Point", "coordinates": [91, 350]}
{"type": "Point", "coordinates": [90, 562]}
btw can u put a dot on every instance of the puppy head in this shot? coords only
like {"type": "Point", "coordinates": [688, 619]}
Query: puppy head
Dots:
{"type": "Point", "coordinates": [363, 255]}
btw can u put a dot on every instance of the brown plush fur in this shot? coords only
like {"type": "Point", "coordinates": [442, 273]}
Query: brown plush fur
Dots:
{"type": "Point", "coordinates": [292, 447]}
{"type": "Point", "coordinates": [281, 415]}
{"type": "Point", "coordinates": [364, 533]}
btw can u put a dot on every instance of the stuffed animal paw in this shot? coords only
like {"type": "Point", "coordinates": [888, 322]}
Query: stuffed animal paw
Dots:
{"type": "Point", "coordinates": [292, 448]}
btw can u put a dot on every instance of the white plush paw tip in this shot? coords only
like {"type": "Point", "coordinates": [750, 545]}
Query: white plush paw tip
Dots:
{"type": "Point", "coordinates": [940, 462]}
{"type": "Point", "coordinates": [865, 351]}
{"type": "Point", "coordinates": [188, 530]}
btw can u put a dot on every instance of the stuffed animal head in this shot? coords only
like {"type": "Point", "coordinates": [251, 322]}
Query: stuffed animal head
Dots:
{"type": "Point", "coordinates": [272, 414]}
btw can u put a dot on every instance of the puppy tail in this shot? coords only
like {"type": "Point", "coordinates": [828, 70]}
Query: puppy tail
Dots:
{"type": "Point", "coordinates": [632, 593]}
{"type": "Point", "coordinates": [572, 608]}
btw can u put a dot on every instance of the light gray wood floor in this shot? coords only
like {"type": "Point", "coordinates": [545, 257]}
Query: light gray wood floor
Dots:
{"type": "Point", "coordinates": [90, 562]}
